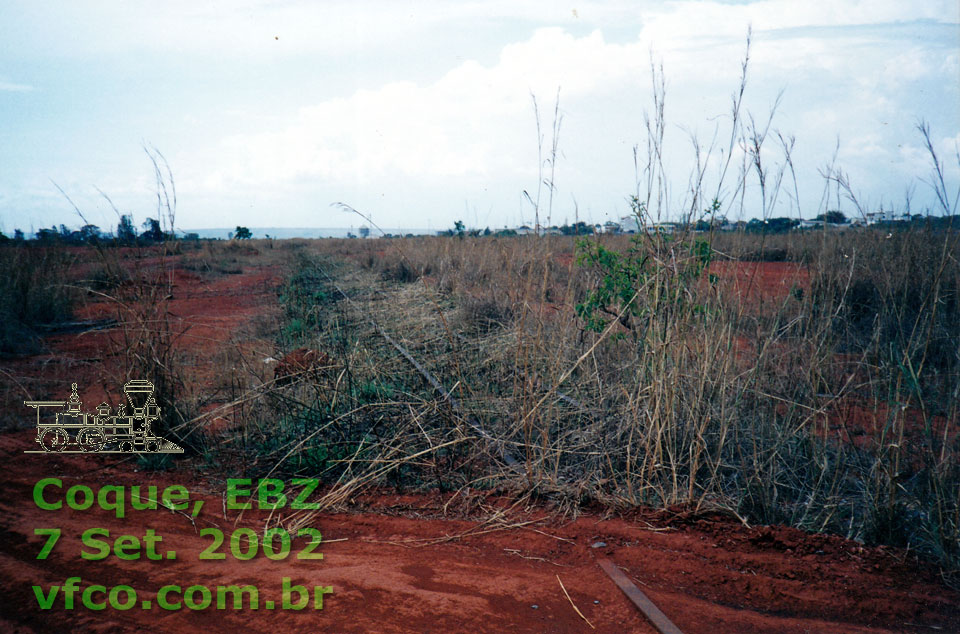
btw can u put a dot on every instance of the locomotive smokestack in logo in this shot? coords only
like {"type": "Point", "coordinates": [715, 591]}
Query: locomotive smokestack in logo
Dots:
{"type": "Point", "coordinates": [68, 429]}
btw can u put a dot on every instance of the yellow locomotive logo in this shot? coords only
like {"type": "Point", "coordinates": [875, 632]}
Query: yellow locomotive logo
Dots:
{"type": "Point", "coordinates": [126, 431]}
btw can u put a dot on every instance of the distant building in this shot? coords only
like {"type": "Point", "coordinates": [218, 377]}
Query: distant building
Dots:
{"type": "Point", "coordinates": [876, 217]}
{"type": "Point", "coordinates": [820, 225]}
{"type": "Point", "coordinates": [629, 224]}
{"type": "Point", "coordinates": [663, 227]}
{"type": "Point", "coordinates": [728, 226]}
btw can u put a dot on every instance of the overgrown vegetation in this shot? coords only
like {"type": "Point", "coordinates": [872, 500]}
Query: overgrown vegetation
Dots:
{"type": "Point", "coordinates": [819, 405]}
{"type": "Point", "coordinates": [658, 369]}
{"type": "Point", "coordinates": [32, 293]}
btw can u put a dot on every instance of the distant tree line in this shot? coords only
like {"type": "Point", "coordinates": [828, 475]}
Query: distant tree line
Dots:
{"type": "Point", "coordinates": [839, 219]}
{"type": "Point", "coordinates": [126, 234]}
{"type": "Point", "coordinates": [152, 233]}
{"type": "Point", "coordinates": [459, 229]}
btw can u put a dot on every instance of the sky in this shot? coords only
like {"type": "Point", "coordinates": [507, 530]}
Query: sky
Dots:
{"type": "Point", "coordinates": [419, 113]}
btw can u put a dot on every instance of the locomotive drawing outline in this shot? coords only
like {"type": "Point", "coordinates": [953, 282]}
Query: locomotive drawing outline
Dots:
{"type": "Point", "coordinates": [70, 430]}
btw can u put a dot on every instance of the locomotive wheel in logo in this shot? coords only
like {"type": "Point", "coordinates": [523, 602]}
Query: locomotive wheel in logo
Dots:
{"type": "Point", "coordinates": [54, 439]}
{"type": "Point", "coordinates": [126, 446]}
{"type": "Point", "coordinates": [153, 445]}
{"type": "Point", "coordinates": [91, 439]}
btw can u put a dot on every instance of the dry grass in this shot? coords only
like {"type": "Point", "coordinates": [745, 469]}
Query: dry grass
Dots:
{"type": "Point", "coordinates": [32, 293]}
{"type": "Point", "coordinates": [705, 400]}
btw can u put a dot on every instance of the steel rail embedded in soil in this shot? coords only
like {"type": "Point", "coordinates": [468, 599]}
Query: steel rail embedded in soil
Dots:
{"type": "Point", "coordinates": [659, 620]}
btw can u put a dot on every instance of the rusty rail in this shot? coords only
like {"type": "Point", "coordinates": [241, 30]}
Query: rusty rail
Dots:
{"type": "Point", "coordinates": [659, 620]}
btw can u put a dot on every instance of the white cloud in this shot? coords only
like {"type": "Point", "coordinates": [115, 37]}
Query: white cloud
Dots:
{"type": "Point", "coordinates": [869, 146]}
{"type": "Point", "coordinates": [459, 125]}
{"type": "Point", "coordinates": [10, 86]}
{"type": "Point", "coordinates": [682, 21]}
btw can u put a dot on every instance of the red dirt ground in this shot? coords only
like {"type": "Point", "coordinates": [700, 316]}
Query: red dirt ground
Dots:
{"type": "Point", "coordinates": [205, 314]}
{"type": "Point", "coordinates": [397, 569]}
{"type": "Point", "coordinates": [397, 564]}
{"type": "Point", "coordinates": [766, 281]}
